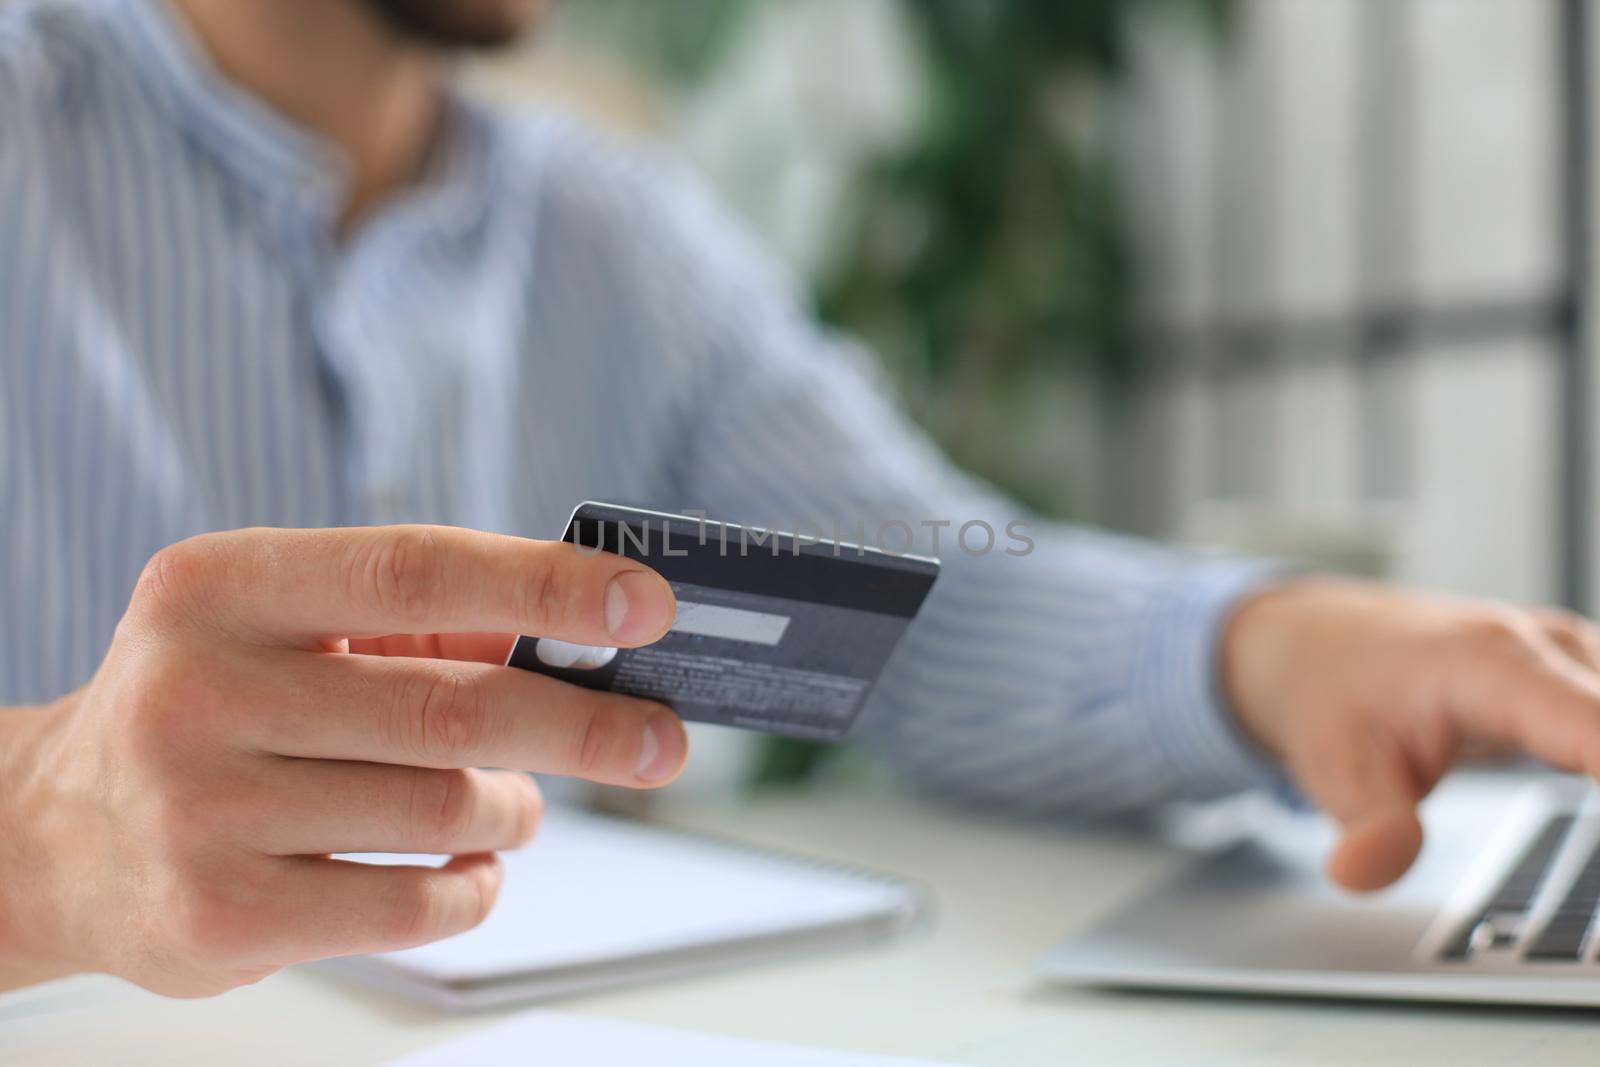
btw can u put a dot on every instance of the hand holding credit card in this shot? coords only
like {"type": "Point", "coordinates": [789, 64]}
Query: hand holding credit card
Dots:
{"type": "Point", "coordinates": [773, 632]}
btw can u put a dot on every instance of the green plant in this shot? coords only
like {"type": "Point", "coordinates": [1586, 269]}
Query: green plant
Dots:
{"type": "Point", "coordinates": [989, 252]}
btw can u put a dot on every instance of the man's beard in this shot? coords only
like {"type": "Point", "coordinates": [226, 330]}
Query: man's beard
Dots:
{"type": "Point", "coordinates": [452, 23]}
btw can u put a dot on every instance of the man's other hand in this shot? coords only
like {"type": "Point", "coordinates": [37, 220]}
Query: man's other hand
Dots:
{"type": "Point", "coordinates": [1369, 695]}
{"type": "Point", "coordinates": [274, 696]}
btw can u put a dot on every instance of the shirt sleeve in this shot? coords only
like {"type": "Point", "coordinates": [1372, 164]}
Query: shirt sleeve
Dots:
{"type": "Point", "coordinates": [1077, 676]}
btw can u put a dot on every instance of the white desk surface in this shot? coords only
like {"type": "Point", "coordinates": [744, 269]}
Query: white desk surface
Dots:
{"type": "Point", "coordinates": [962, 990]}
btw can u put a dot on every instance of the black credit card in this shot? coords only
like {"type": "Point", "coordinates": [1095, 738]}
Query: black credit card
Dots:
{"type": "Point", "coordinates": [774, 632]}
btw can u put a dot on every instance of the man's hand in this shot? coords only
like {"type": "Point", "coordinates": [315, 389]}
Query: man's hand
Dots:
{"type": "Point", "coordinates": [1369, 695]}
{"type": "Point", "coordinates": [266, 701]}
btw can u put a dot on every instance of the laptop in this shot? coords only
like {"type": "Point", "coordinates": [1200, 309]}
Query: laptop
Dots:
{"type": "Point", "coordinates": [1500, 908]}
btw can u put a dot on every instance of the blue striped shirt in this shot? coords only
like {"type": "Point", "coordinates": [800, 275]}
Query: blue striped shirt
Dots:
{"type": "Point", "coordinates": [544, 317]}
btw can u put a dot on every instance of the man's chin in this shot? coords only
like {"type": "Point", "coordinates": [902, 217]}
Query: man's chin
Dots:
{"type": "Point", "coordinates": [476, 24]}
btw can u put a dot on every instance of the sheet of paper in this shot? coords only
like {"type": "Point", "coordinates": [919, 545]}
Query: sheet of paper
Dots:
{"type": "Point", "coordinates": [548, 1039]}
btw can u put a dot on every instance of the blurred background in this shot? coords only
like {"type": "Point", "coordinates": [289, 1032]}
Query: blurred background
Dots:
{"type": "Point", "coordinates": [1303, 275]}
{"type": "Point", "coordinates": [1297, 276]}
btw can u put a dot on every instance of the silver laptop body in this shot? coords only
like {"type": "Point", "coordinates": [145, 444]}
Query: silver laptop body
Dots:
{"type": "Point", "coordinates": [1500, 908]}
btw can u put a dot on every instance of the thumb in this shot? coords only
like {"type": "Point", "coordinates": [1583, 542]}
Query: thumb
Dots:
{"type": "Point", "coordinates": [1376, 850]}
{"type": "Point", "coordinates": [1373, 795]}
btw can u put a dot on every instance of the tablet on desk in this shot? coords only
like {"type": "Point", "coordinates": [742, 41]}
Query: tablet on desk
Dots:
{"type": "Point", "coordinates": [600, 901]}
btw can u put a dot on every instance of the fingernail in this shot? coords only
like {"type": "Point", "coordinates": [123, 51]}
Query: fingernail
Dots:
{"type": "Point", "coordinates": [638, 607]}
{"type": "Point", "coordinates": [658, 759]}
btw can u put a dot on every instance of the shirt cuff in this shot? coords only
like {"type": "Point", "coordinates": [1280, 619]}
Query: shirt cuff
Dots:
{"type": "Point", "coordinates": [1176, 686]}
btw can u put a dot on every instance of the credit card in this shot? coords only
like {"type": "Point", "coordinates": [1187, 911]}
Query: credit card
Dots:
{"type": "Point", "coordinates": [774, 632]}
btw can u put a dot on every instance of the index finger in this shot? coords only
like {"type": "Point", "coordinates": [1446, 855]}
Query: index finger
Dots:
{"type": "Point", "coordinates": [306, 585]}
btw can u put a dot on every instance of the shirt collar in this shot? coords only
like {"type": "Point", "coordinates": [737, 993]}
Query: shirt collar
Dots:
{"type": "Point", "coordinates": [265, 149]}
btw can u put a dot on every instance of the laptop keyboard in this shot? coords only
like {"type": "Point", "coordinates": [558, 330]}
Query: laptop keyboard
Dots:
{"type": "Point", "coordinates": [1563, 936]}
{"type": "Point", "coordinates": [1502, 923]}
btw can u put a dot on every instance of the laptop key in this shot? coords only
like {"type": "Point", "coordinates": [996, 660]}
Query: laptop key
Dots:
{"type": "Point", "coordinates": [1497, 924]}
{"type": "Point", "coordinates": [1564, 935]}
